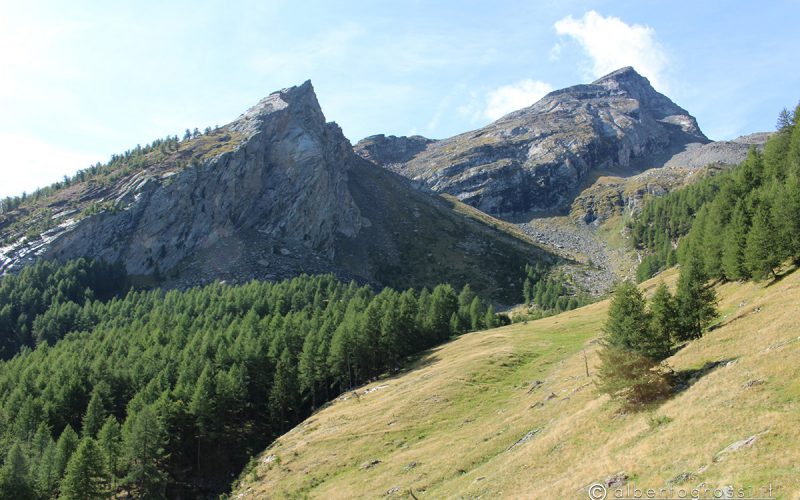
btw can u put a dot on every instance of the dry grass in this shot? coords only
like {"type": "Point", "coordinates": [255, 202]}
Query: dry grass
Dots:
{"type": "Point", "coordinates": [457, 413]}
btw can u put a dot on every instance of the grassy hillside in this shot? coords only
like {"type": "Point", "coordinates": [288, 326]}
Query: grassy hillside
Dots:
{"type": "Point", "coordinates": [510, 412]}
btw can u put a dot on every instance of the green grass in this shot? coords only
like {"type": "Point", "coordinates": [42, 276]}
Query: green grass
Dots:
{"type": "Point", "coordinates": [463, 405]}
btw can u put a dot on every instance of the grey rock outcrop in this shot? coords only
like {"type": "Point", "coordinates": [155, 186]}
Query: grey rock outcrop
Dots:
{"type": "Point", "coordinates": [286, 181]}
{"type": "Point", "coordinates": [609, 196]}
{"type": "Point", "coordinates": [391, 152]}
{"type": "Point", "coordinates": [537, 158]}
{"type": "Point", "coordinates": [719, 152]}
{"type": "Point", "coordinates": [281, 192]}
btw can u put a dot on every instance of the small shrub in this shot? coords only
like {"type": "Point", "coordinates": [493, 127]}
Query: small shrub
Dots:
{"type": "Point", "coordinates": [656, 421]}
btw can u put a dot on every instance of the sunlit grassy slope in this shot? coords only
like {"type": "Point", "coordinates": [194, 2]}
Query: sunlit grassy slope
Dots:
{"type": "Point", "coordinates": [447, 427]}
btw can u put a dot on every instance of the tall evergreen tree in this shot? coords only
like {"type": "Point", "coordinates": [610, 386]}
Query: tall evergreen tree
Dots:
{"type": "Point", "coordinates": [696, 301]}
{"type": "Point", "coordinates": [631, 377]}
{"type": "Point", "coordinates": [761, 253]}
{"type": "Point", "coordinates": [86, 477]}
{"type": "Point", "coordinates": [786, 214]}
{"type": "Point", "coordinates": [627, 324]}
{"type": "Point", "coordinates": [95, 415]}
{"type": "Point", "coordinates": [110, 441]}
{"type": "Point", "coordinates": [65, 447]}
{"type": "Point", "coordinates": [490, 320]}
{"type": "Point", "coordinates": [202, 407]}
{"type": "Point", "coordinates": [46, 478]}
{"type": "Point", "coordinates": [283, 397]}
{"type": "Point", "coordinates": [15, 478]}
{"type": "Point", "coordinates": [477, 315]}
{"type": "Point", "coordinates": [144, 445]}
{"type": "Point", "coordinates": [307, 366]}
{"type": "Point", "coordinates": [663, 325]}
{"type": "Point", "coordinates": [734, 243]}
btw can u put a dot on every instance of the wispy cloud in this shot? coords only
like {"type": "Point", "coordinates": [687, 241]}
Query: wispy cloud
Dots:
{"type": "Point", "coordinates": [508, 98]}
{"type": "Point", "coordinates": [611, 43]}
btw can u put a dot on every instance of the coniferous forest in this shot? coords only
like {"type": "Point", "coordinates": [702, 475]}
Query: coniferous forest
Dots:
{"type": "Point", "coordinates": [740, 225]}
{"type": "Point", "coordinates": [170, 393]}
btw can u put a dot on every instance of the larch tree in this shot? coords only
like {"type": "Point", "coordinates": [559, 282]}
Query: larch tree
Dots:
{"type": "Point", "coordinates": [86, 477]}
{"type": "Point", "coordinates": [696, 300]}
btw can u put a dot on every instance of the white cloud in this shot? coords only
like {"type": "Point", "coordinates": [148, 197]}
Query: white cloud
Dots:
{"type": "Point", "coordinates": [508, 98]}
{"type": "Point", "coordinates": [29, 163]}
{"type": "Point", "coordinates": [555, 52]}
{"type": "Point", "coordinates": [611, 44]}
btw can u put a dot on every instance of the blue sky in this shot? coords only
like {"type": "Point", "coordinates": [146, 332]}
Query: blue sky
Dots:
{"type": "Point", "coordinates": [82, 80]}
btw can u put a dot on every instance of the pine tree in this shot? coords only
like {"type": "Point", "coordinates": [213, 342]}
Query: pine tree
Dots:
{"type": "Point", "coordinates": [444, 303]}
{"type": "Point", "coordinates": [477, 315]}
{"type": "Point", "coordinates": [663, 325]}
{"type": "Point", "coordinates": [307, 366]}
{"type": "Point", "coordinates": [110, 440]}
{"type": "Point", "coordinates": [760, 254]}
{"type": "Point", "coordinates": [15, 479]}
{"type": "Point", "coordinates": [394, 343]}
{"type": "Point", "coordinates": [527, 291]}
{"type": "Point", "coordinates": [283, 399]}
{"type": "Point", "coordinates": [94, 416]}
{"type": "Point", "coordinates": [490, 321]}
{"type": "Point", "coordinates": [784, 120]}
{"type": "Point", "coordinates": [41, 440]}
{"type": "Point", "coordinates": [787, 218]}
{"type": "Point", "coordinates": [202, 407]}
{"type": "Point", "coordinates": [46, 478]}
{"type": "Point", "coordinates": [456, 327]}
{"type": "Point", "coordinates": [86, 477]}
{"type": "Point", "coordinates": [696, 302]}
{"type": "Point", "coordinates": [65, 447]}
{"type": "Point", "coordinates": [340, 357]}
{"type": "Point", "coordinates": [713, 237]}
{"type": "Point", "coordinates": [465, 299]}
{"type": "Point", "coordinates": [627, 324]}
{"type": "Point", "coordinates": [144, 444]}
{"type": "Point", "coordinates": [407, 324]}
{"type": "Point", "coordinates": [734, 243]}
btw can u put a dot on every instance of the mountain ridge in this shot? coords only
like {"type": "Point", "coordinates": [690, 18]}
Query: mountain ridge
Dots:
{"type": "Point", "coordinates": [283, 193]}
{"type": "Point", "coordinates": [534, 158]}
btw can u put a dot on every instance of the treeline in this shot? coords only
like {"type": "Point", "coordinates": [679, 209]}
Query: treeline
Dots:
{"type": "Point", "coordinates": [548, 292]}
{"type": "Point", "coordinates": [47, 300]}
{"type": "Point", "coordinates": [170, 393]}
{"type": "Point", "coordinates": [743, 224]}
{"type": "Point", "coordinates": [663, 221]}
{"type": "Point", "coordinates": [746, 222]}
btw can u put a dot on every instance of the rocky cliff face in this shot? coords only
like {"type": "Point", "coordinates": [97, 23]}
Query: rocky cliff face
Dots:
{"type": "Point", "coordinates": [286, 181]}
{"type": "Point", "coordinates": [391, 152]}
{"type": "Point", "coordinates": [281, 192]}
{"type": "Point", "coordinates": [538, 157]}
{"type": "Point", "coordinates": [613, 195]}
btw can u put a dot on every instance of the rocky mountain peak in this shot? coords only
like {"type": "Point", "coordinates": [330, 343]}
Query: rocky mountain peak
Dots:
{"type": "Point", "coordinates": [621, 76]}
{"type": "Point", "coordinates": [277, 192]}
{"type": "Point", "coordinates": [299, 101]}
{"type": "Point", "coordinates": [627, 82]}
{"type": "Point", "coordinates": [536, 158]}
